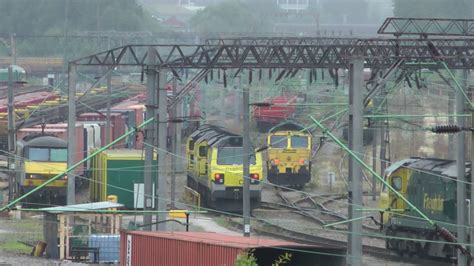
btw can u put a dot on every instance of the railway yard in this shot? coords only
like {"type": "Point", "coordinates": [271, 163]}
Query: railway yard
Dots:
{"type": "Point", "coordinates": [195, 148]}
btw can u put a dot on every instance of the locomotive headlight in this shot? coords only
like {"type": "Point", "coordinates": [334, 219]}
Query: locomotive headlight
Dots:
{"type": "Point", "coordinates": [218, 178]}
{"type": "Point", "coordinates": [303, 162]}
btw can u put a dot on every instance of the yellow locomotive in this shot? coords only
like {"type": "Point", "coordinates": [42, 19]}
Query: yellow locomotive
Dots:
{"type": "Point", "coordinates": [289, 155]}
{"type": "Point", "coordinates": [215, 170]}
{"type": "Point", "coordinates": [430, 184]}
{"type": "Point", "coordinates": [41, 157]}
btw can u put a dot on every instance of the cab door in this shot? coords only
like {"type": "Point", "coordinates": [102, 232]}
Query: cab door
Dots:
{"type": "Point", "coordinates": [202, 159]}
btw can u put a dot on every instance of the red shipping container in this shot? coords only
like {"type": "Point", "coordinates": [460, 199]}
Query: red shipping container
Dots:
{"type": "Point", "coordinates": [138, 110]}
{"type": "Point", "coordinates": [211, 249]}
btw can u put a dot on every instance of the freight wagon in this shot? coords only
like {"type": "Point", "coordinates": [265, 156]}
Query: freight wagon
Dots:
{"type": "Point", "coordinates": [280, 109]}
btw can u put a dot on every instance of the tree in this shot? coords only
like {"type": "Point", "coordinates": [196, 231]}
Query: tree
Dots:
{"type": "Point", "coordinates": [235, 16]}
{"type": "Point", "coordinates": [41, 22]}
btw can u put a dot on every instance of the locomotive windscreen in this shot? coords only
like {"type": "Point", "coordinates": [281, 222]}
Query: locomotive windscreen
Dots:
{"type": "Point", "coordinates": [47, 154]}
{"type": "Point", "coordinates": [279, 142]}
{"type": "Point", "coordinates": [232, 156]}
{"type": "Point", "coordinates": [299, 142]}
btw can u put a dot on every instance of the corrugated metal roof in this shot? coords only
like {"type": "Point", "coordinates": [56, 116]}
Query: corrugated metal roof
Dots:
{"type": "Point", "coordinates": [222, 239]}
{"type": "Point", "coordinates": [102, 205]}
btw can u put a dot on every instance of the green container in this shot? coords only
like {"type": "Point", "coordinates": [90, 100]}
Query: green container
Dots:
{"type": "Point", "coordinates": [120, 173]}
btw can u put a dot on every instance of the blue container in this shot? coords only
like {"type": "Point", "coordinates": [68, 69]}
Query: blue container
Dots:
{"type": "Point", "coordinates": [108, 245]}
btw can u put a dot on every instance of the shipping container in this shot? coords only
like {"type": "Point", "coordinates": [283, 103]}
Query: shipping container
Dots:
{"type": "Point", "coordinates": [117, 122]}
{"type": "Point", "coordinates": [213, 249]}
{"type": "Point", "coordinates": [133, 113]}
{"type": "Point", "coordinates": [120, 172]}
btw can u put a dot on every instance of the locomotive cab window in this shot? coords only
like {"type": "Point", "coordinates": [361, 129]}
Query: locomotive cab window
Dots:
{"type": "Point", "coordinates": [38, 154]}
{"type": "Point", "coordinates": [59, 155]}
{"type": "Point", "coordinates": [47, 154]}
{"type": "Point", "coordinates": [232, 156]}
{"type": "Point", "coordinates": [397, 183]}
{"type": "Point", "coordinates": [279, 142]}
{"type": "Point", "coordinates": [299, 142]}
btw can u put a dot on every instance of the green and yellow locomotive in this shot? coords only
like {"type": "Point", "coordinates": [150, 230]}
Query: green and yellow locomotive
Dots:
{"type": "Point", "coordinates": [39, 158]}
{"type": "Point", "coordinates": [289, 155]}
{"type": "Point", "coordinates": [215, 168]}
{"type": "Point", "coordinates": [430, 185]}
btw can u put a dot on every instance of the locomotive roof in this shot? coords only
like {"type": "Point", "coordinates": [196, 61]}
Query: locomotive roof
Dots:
{"type": "Point", "coordinates": [202, 130]}
{"type": "Point", "coordinates": [44, 141]}
{"type": "Point", "coordinates": [288, 125]}
{"type": "Point", "coordinates": [438, 166]}
{"type": "Point", "coordinates": [216, 136]}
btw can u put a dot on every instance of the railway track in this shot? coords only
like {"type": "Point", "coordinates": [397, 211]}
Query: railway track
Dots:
{"type": "Point", "coordinates": [316, 211]}
{"type": "Point", "coordinates": [273, 230]}
{"type": "Point", "coordinates": [21, 90]}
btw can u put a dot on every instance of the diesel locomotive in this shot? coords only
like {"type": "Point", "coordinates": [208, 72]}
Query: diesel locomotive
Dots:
{"type": "Point", "coordinates": [215, 168]}
{"type": "Point", "coordinates": [429, 184]}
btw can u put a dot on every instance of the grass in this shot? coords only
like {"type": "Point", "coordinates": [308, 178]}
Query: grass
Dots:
{"type": "Point", "coordinates": [15, 247]}
{"type": "Point", "coordinates": [222, 221]}
{"type": "Point", "coordinates": [28, 231]}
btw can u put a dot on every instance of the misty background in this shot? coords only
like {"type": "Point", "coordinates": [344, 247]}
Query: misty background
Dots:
{"type": "Point", "coordinates": [79, 27]}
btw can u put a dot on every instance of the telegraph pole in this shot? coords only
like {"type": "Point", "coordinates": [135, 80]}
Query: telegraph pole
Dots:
{"type": "Point", "coordinates": [11, 137]}
{"type": "Point", "coordinates": [451, 154]}
{"type": "Point", "coordinates": [109, 103]}
{"type": "Point", "coordinates": [174, 150]}
{"type": "Point", "coordinates": [13, 47]}
{"type": "Point", "coordinates": [179, 130]}
{"type": "Point", "coordinates": [71, 133]}
{"type": "Point", "coordinates": [150, 175]}
{"type": "Point", "coordinates": [246, 160]}
{"type": "Point", "coordinates": [471, 205]}
{"type": "Point", "coordinates": [162, 190]}
{"type": "Point", "coordinates": [374, 164]}
{"type": "Point", "coordinates": [356, 113]}
{"type": "Point", "coordinates": [461, 174]}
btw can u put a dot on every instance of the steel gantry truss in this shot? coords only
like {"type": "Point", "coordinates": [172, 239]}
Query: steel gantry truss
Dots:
{"type": "Point", "coordinates": [315, 53]}
{"type": "Point", "coordinates": [427, 26]}
{"type": "Point", "coordinates": [294, 54]}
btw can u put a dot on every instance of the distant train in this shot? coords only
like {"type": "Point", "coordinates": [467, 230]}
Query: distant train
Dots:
{"type": "Point", "coordinates": [289, 155]}
{"type": "Point", "coordinates": [18, 75]}
{"type": "Point", "coordinates": [39, 158]}
{"type": "Point", "coordinates": [430, 184]}
{"type": "Point", "coordinates": [214, 168]}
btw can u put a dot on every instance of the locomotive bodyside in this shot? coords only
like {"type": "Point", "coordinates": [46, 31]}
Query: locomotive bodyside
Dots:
{"type": "Point", "coordinates": [429, 184]}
